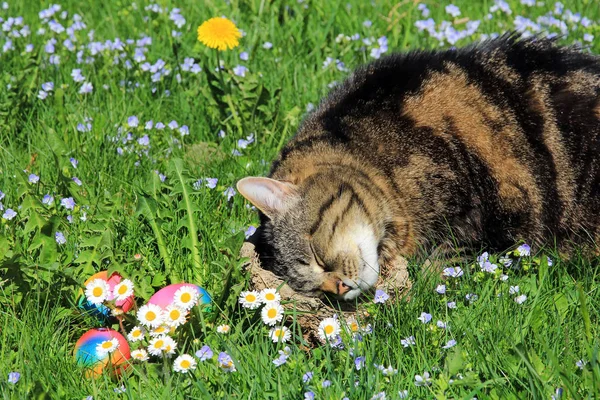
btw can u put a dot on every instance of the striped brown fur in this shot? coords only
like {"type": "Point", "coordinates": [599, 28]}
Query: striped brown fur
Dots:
{"type": "Point", "coordinates": [490, 144]}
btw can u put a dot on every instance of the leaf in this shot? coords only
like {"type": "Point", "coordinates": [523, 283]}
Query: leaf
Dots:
{"type": "Point", "coordinates": [146, 207]}
{"type": "Point", "coordinates": [34, 222]}
{"type": "Point", "coordinates": [177, 167]}
{"type": "Point", "coordinates": [455, 361]}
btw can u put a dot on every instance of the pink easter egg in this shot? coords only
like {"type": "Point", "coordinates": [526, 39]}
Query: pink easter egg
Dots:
{"type": "Point", "coordinates": [164, 297]}
{"type": "Point", "coordinates": [95, 362]}
{"type": "Point", "coordinates": [122, 305]}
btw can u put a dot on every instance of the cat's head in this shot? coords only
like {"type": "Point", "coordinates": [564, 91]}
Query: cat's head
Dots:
{"type": "Point", "coordinates": [317, 236]}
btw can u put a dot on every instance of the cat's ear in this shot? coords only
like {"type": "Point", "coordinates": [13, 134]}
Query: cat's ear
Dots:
{"type": "Point", "coordinates": [268, 195]}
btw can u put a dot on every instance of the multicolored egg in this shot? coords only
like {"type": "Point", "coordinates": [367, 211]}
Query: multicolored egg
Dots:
{"type": "Point", "coordinates": [164, 297]}
{"type": "Point", "coordinates": [101, 310]}
{"type": "Point", "coordinates": [89, 354]}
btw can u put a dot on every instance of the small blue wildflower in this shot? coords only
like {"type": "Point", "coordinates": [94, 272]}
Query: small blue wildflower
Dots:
{"type": "Point", "coordinates": [359, 362]}
{"type": "Point", "coordinates": [9, 214]}
{"type": "Point", "coordinates": [441, 289]}
{"type": "Point", "coordinates": [133, 121]}
{"type": "Point", "coordinates": [240, 70]}
{"type": "Point", "coordinates": [472, 297]}
{"type": "Point", "coordinates": [159, 126]}
{"type": "Point", "coordinates": [489, 267]}
{"type": "Point", "coordinates": [549, 261]}
{"type": "Point", "coordinates": [441, 324]}
{"type": "Point", "coordinates": [524, 250]}
{"type": "Point", "coordinates": [403, 394]}
{"type": "Point", "coordinates": [148, 125]}
{"type": "Point", "coordinates": [86, 88]}
{"type": "Point", "coordinates": [2, 195]}
{"type": "Point", "coordinates": [77, 76]}
{"type": "Point", "coordinates": [243, 143]}
{"type": "Point", "coordinates": [449, 344]}
{"type": "Point", "coordinates": [379, 396]}
{"type": "Point", "coordinates": [13, 377]}
{"type": "Point", "coordinates": [47, 199]}
{"type": "Point", "coordinates": [513, 290]}
{"type": "Point", "coordinates": [144, 141]}
{"type": "Point", "coordinates": [452, 10]}
{"type": "Point", "coordinates": [326, 383]}
{"type": "Point", "coordinates": [529, 3]}
{"type": "Point", "coordinates": [506, 261]}
{"type": "Point", "coordinates": [173, 125]}
{"type": "Point", "coordinates": [229, 192]}
{"type": "Point", "coordinates": [68, 203]}
{"type": "Point", "coordinates": [424, 10]}
{"type": "Point", "coordinates": [451, 304]}
{"type": "Point", "coordinates": [184, 130]}
{"type": "Point", "coordinates": [48, 86]}
{"type": "Point", "coordinates": [267, 45]}
{"type": "Point", "coordinates": [367, 24]}
{"type": "Point", "coordinates": [409, 341]}
{"type": "Point", "coordinates": [453, 272]}
{"type": "Point", "coordinates": [282, 359]}
{"type": "Point", "coordinates": [211, 183]}
{"type": "Point", "coordinates": [74, 162]}
{"type": "Point", "coordinates": [580, 363]}
{"type": "Point", "coordinates": [250, 231]}
{"type": "Point", "coordinates": [380, 297]}
{"type": "Point", "coordinates": [424, 317]}
{"type": "Point", "coordinates": [307, 377]}
{"type": "Point", "coordinates": [70, 219]}
{"type": "Point", "coordinates": [60, 238]}
{"type": "Point", "coordinates": [588, 37]}
{"type": "Point", "coordinates": [205, 353]}
{"type": "Point", "coordinates": [226, 362]}
{"type": "Point", "coordinates": [244, 56]}
{"type": "Point", "coordinates": [221, 133]}
{"type": "Point", "coordinates": [33, 178]}
{"type": "Point", "coordinates": [309, 396]}
{"type": "Point", "coordinates": [77, 181]}
{"type": "Point", "coordinates": [520, 299]}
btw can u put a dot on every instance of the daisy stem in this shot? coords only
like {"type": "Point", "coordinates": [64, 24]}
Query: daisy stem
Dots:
{"type": "Point", "coordinates": [227, 96]}
{"type": "Point", "coordinates": [166, 369]}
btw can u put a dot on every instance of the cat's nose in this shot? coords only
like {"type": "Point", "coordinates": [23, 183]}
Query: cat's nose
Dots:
{"type": "Point", "coordinates": [342, 288]}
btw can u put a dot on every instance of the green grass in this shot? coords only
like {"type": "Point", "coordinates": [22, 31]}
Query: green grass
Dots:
{"type": "Point", "coordinates": [504, 350]}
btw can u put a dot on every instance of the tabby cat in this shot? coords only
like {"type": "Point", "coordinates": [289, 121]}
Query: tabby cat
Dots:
{"type": "Point", "coordinates": [489, 144]}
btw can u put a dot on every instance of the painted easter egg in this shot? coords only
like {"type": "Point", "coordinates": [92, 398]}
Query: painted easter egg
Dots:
{"type": "Point", "coordinates": [166, 296]}
{"type": "Point", "coordinates": [100, 310]}
{"type": "Point", "coordinates": [100, 350]}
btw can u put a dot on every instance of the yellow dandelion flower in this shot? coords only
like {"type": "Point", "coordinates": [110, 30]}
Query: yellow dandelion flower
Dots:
{"type": "Point", "coordinates": [219, 33]}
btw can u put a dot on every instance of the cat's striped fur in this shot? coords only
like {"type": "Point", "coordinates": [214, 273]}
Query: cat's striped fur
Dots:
{"type": "Point", "coordinates": [497, 142]}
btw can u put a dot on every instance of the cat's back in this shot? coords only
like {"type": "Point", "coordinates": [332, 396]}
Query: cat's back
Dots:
{"type": "Point", "coordinates": [511, 126]}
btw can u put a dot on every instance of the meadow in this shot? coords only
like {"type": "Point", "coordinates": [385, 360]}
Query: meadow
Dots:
{"type": "Point", "coordinates": [121, 140]}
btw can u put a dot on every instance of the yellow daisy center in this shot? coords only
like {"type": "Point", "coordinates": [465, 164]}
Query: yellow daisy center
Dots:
{"type": "Point", "coordinates": [174, 314]}
{"type": "Point", "coordinates": [251, 298]}
{"type": "Point", "coordinates": [107, 345]}
{"type": "Point", "coordinates": [122, 290]}
{"type": "Point", "coordinates": [150, 315]}
{"type": "Point", "coordinates": [353, 326]}
{"type": "Point", "coordinates": [219, 33]}
{"type": "Point", "coordinates": [186, 297]}
{"type": "Point", "coordinates": [97, 291]}
{"type": "Point", "coordinates": [136, 333]}
{"type": "Point", "coordinates": [269, 296]}
{"type": "Point", "coordinates": [279, 333]}
{"type": "Point", "coordinates": [159, 344]}
{"type": "Point", "coordinates": [329, 329]}
{"type": "Point", "coordinates": [272, 313]}
{"type": "Point", "coordinates": [185, 364]}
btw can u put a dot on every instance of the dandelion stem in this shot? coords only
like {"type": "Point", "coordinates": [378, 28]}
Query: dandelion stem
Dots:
{"type": "Point", "coordinates": [227, 96]}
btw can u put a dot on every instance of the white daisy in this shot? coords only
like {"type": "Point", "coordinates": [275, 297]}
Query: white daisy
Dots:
{"type": "Point", "coordinates": [184, 363]}
{"type": "Point", "coordinates": [281, 334]}
{"type": "Point", "coordinates": [250, 299]}
{"type": "Point", "coordinates": [272, 313]}
{"type": "Point", "coordinates": [170, 345]}
{"type": "Point", "coordinates": [160, 330]}
{"type": "Point", "coordinates": [157, 345]}
{"type": "Point", "coordinates": [97, 291]}
{"type": "Point", "coordinates": [269, 295]}
{"type": "Point", "coordinates": [123, 290]}
{"type": "Point", "coordinates": [186, 297]}
{"type": "Point", "coordinates": [108, 346]}
{"type": "Point", "coordinates": [136, 334]}
{"type": "Point", "coordinates": [224, 329]}
{"type": "Point", "coordinates": [352, 324]}
{"type": "Point", "coordinates": [139, 355]}
{"type": "Point", "coordinates": [150, 315]}
{"type": "Point", "coordinates": [175, 316]}
{"type": "Point", "coordinates": [329, 328]}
